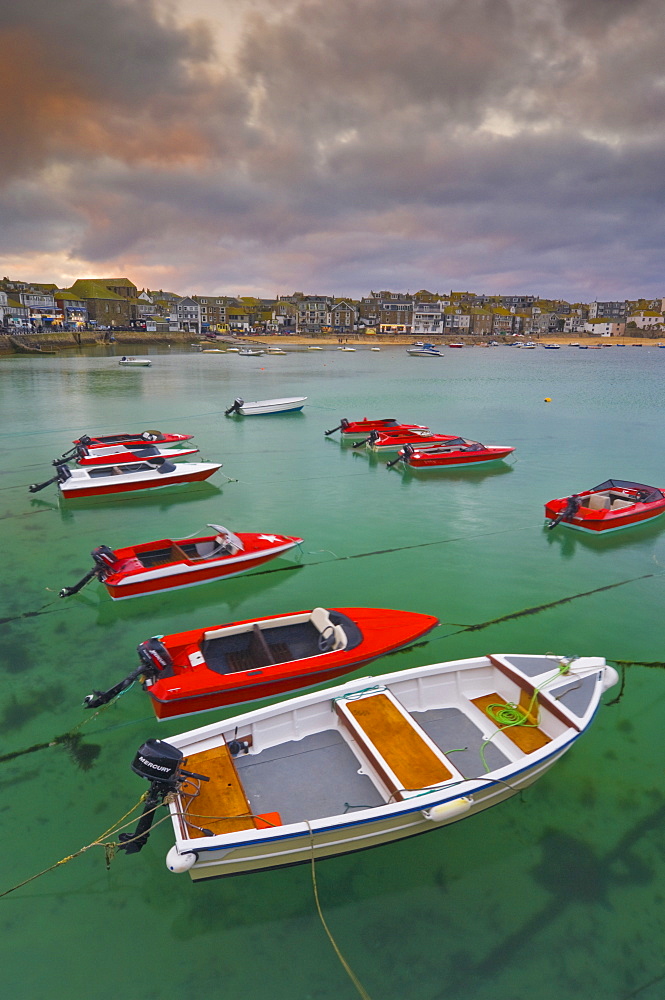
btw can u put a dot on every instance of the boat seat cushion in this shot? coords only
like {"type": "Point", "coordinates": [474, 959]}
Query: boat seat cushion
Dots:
{"type": "Point", "coordinates": [599, 501]}
{"type": "Point", "coordinates": [620, 504]}
{"type": "Point", "coordinates": [320, 619]}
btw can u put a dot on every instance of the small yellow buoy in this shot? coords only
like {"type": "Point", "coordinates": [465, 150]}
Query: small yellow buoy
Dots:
{"type": "Point", "coordinates": [547, 399]}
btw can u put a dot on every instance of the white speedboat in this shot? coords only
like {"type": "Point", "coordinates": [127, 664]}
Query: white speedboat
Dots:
{"type": "Point", "coordinates": [100, 480]}
{"type": "Point", "coordinates": [250, 352]}
{"type": "Point", "coordinates": [135, 362]}
{"type": "Point", "coordinates": [424, 351]}
{"type": "Point", "coordinates": [364, 763]}
{"type": "Point", "coordinates": [289, 404]}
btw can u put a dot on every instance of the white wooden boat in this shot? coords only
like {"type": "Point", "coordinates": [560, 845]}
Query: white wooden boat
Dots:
{"type": "Point", "coordinates": [364, 763]}
{"type": "Point", "coordinates": [135, 362]}
{"type": "Point", "coordinates": [289, 404]}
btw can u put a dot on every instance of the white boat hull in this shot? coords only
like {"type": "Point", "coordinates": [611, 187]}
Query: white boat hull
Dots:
{"type": "Point", "coordinates": [263, 406]}
{"type": "Point", "coordinates": [309, 760]}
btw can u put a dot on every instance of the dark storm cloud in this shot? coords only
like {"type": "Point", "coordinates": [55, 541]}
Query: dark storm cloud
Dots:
{"type": "Point", "coordinates": [365, 143]}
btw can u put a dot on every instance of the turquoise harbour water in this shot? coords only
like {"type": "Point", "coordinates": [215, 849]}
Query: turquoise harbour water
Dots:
{"type": "Point", "coordinates": [557, 893]}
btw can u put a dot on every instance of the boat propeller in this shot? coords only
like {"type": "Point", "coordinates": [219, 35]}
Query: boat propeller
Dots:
{"type": "Point", "coordinates": [235, 408]}
{"type": "Point", "coordinates": [573, 504]}
{"type": "Point", "coordinates": [159, 763]}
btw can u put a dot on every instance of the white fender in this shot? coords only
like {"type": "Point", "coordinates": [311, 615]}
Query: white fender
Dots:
{"type": "Point", "coordinates": [179, 863]}
{"type": "Point", "coordinates": [445, 811]}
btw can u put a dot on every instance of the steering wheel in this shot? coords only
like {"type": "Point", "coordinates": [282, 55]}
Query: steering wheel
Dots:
{"type": "Point", "coordinates": [326, 639]}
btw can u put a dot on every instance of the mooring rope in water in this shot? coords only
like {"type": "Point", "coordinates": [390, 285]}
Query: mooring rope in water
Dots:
{"type": "Point", "coordinates": [109, 847]}
{"type": "Point", "coordinates": [345, 965]}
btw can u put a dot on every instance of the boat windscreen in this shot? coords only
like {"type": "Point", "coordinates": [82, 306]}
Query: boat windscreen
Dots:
{"type": "Point", "coordinates": [648, 494]}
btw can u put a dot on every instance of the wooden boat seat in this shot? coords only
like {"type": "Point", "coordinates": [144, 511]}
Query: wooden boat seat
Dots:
{"type": "Point", "coordinates": [397, 748]}
{"type": "Point", "coordinates": [221, 805]}
{"type": "Point", "coordinates": [177, 553]}
{"type": "Point", "coordinates": [527, 737]}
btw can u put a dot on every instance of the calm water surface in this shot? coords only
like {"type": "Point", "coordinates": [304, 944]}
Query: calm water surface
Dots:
{"type": "Point", "coordinates": [559, 891]}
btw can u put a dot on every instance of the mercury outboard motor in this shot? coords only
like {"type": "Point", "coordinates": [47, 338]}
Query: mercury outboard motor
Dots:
{"type": "Point", "coordinates": [235, 408]}
{"type": "Point", "coordinates": [159, 763]}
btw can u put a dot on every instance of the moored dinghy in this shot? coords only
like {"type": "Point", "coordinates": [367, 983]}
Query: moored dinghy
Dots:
{"type": "Point", "coordinates": [222, 665]}
{"type": "Point", "coordinates": [359, 430]}
{"type": "Point", "coordinates": [288, 404]}
{"type": "Point", "coordinates": [135, 362]}
{"type": "Point", "coordinates": [615, 504]}
{"type": "Point", "coordinates": [101, 480]}
{"type": "Point", "coordinates": [367, 762]}
{"type": "Point", "coordinates": [171, 564]}
{"type": "Point", "coordinates": [456, 453]}
{"type": "Point", "coordinates": [137, 438]}
{"type": "Point", "coordinates": [119, 454]}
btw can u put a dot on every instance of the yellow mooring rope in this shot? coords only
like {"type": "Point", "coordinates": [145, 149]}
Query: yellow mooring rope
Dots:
{"type": "Point", "coordinates": [347, 968]}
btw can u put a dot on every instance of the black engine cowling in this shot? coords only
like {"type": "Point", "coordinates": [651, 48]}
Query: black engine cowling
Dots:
{"type": "Point", "coordinates": [154, 655]}
{"type": "Point", "coordinates": [157, 761]}
{"type": "Point", "coordinates": [103, 556]}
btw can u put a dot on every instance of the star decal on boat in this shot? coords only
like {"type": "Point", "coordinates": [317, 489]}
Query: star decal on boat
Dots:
{"type": "Point", "coordinates": [271, 538]}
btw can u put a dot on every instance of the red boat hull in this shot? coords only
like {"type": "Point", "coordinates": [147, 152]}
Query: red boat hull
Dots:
{"type": "Point", "coordinates": [130, 578]}
{"type": "Point", "coordinates": [98, 490]}
{"type": "Point", "coordinates": [127, 456]}
{"type": "Point", "coordinates": [358, 429]}
{"type": "Point", "coordinates": [199, 689]}
{"type": "Point", "coordinates": [606, 519]}
{"type": "Point", "coordinates": [132, 440]}
{"type": "Point", "coordinates": [455, 459]}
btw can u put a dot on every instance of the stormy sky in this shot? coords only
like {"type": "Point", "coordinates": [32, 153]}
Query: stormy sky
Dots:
{"type": "Point", "coordinates": [335, 146]}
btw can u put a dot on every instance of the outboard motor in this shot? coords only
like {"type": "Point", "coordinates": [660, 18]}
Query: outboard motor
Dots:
{"type": "Point", "coordinates": [373, 435]}
{"type": "Point", "coordinates": [573, 504]}
{"type": "Point", "coordinates": [402, 456]}
{"type": "Point", "coordinates": [344, 423]}
{"type": "Point", "coordinates": [154, 656]}
{"type": "Point", "coordinates": [62, 475]}
{"type": "Point", "coordinates": [104, 559]}
{"type": "Point", "coordinates": [159, 763]}
{"type": "Point", "coordinates": [235, 408]}
{"type": "Point", "coordinates": [154, 659]}
{"type": "Point", "coordinates": [103, 556]}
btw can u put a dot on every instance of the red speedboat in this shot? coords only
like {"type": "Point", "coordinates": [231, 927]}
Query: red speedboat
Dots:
{"type": "Point", "coordinates": [459, 452]}
{"type": "Point", "coordinates": [356, 430]}
{"type": "Point", "coordinates": [140, 437]}
{"type": "Point", "coordinates": [395, 440]}
{"type": "Point", "coordinates": [224, 665]}
{"type": "Point", "coordinates": [95, 481]}
{"type": "Point", "coordinates": [171, 564]}
{"type": "Point", "coordinates": [120, 454]}
{"type": "Point", "coordinates": [613, 505]}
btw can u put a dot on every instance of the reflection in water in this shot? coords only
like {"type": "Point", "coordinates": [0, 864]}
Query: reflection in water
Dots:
{"type": "Point", "coordinates": [568, 539]}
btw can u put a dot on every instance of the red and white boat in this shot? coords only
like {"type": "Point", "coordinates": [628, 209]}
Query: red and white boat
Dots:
{"type": "Point", "coordinates": [95, 481]}
{"type": "Point", "coordinates": [209, 668]}
{"type": "Point", "coordinates": [120, 454]}
{"type": "Point", "coordinates": [171, 564]}
{"type": "Point", "coordinates": [459, 452]}
{"type": "Point", "coordinates": [396, 440]}
{"type": "Point", "coordinates": [357, 430]}
{"type": "Point", "coordinates": [138, 438]}
{"type": "Point", "coordinates": [613, 505]}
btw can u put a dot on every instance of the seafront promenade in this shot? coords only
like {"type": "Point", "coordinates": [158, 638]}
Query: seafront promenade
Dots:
{"type": "Point", "coordinates": [62, 341]}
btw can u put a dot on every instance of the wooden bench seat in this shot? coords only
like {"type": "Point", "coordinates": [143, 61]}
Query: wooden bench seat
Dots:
{"type": "Point", "coordinates": [221, 805]}
{"type": "Point", "coordinates": [528, 737]}
{"type": "Point", "coordinates": [401, 753]}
